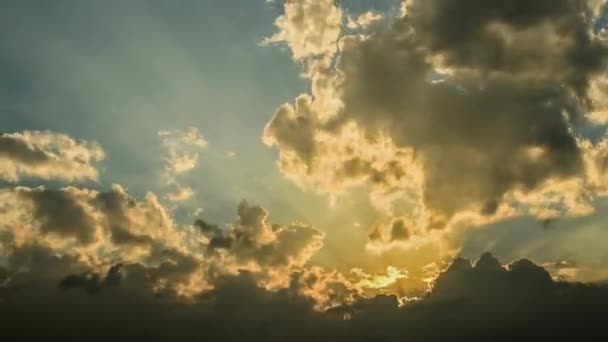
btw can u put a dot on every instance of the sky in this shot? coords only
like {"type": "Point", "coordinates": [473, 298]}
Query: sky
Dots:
{"type": "Point", "coordinates": [353, 165]}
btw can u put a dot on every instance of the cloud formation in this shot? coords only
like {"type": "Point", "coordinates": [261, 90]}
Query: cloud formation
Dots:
{"type": "Point", "coordinates": [471, 302]}
{"type": "Point", "coordinates": [309, 27]}
{"type": "Point", "coordinates": [47, 156]}
{"type": "Point", "coordinates": [181, 149]}
{"type": "Point", "coordinates": [462, 109]}
{"type": "Point", "coordinates": [421, 110]}
{"type": "Point", "coordinates": [92, 264]}
{"type": "Point", "coordinates": [182, 152]}
{"type": "Point", "coordinates": [99, 230]}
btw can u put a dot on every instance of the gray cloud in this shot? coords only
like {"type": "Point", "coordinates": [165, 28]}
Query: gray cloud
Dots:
{"type": "Point", "coordinates": [60, 212]}
{"type": "Point", "coordinates": [471, 302]}
{"type": "Point", "coordinates": [549, 38]}
{"type": "Point", "coordinates": [275, 251]}
{"type": "Point", "coordinates": [479, 97]}
{"type": "Point", "coordinates": [100, 229]}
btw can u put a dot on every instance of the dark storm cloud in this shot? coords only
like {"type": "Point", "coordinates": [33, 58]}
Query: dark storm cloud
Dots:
{"type": "Point", "coordinates": [519, 36]}
{"type": "Point", "coordinates": [473, 135]}
{"type": "Point", "coordinates": [89, 282]}
{"type": "Point", "coordinates": [476, 129]}
{"type": "Point", "coordinates": [480, 302]}
{"type": "Point", "coordinates": [485, 93]}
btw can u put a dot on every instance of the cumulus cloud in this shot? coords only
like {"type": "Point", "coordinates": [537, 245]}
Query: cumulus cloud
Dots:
{"type": "Point", "coordinates": [47, 155]}
{"type": "Point", "coordinates": [469, 116]}
{"type": "Point", "coordinates": [95, 227]}
{"type": "Point", "coordinates": [310, 28]}
{"type": "Point", "coordinates": [271, 252]}
{"type": "Point", "coordinates": [466, 110]}
{"type": "Point", "coordinates": [99, 230]}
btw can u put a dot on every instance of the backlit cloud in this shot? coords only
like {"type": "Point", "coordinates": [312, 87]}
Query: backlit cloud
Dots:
{"type": "Point", "coordinates": [461, 109]}
{"type": "Point", "coordinates": [182, 155]}
{"type": "Point", "coordinates": [309, 27]}
{"type": "Point", "coordinates": [424, 119]}
{"type": "Point", "coordinates": [47, 155]}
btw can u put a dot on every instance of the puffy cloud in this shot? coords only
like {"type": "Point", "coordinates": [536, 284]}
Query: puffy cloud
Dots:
{"type": "Point", "coordinates": [465, 110]}
{"type": "Point", "coordinates": [63, 213]}
{"type": "Point", "coordinates": [96, 228]}
{"type": "Point", "coordinates": [271, 252]}
{"type": "Point", "coordinates": [47, 155]}
{"type": "Point", "coordinates": [100, 229]}
{"type": "Point", "coordinates": [100, 232]}
{"type": "Point", "coordinates": [310, 28]}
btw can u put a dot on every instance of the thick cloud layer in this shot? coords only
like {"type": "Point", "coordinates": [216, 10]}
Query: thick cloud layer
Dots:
{"type": "Point", "coordinates": [477, 303]}
{"type": "Point", "coordinates": [47, 155]}
{"type": "Point", "coordinates": [459, 106]}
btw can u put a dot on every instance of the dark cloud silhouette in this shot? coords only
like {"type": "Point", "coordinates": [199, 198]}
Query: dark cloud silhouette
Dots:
{"type": "Point", "coordinates": [480, 302]}
{"type": "Point", "coordinates": [89, 282]}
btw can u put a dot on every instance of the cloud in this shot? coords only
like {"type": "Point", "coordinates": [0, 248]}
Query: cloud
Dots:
{"type": "Point", "coordinates": [96, 228]}
{"type": "Point", "coordinates": [420, 110]}
{"type": "Point", "coordinates": [181, 194]}
{"type": "Point", "coordinates": [47, 155]}
{"type": "Point", "coordinates": [473, 302]}
{"type": "Point", "coordinates": [400, 231]}
{"type": "Point", "coordinates": [182, 149]}
{"type": "Point", "coordinates": [466, 111]}
{"type": "Point", "coordinates": [272, 252]}
{"type": "Point", "coordinates": [182, 155]}
{"type": "Point", "coordinates": [310, 28]}
{"type": "Point", "coordinates": [363, 20]}
{"type": "Point", "coordinates": [99, 229]}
